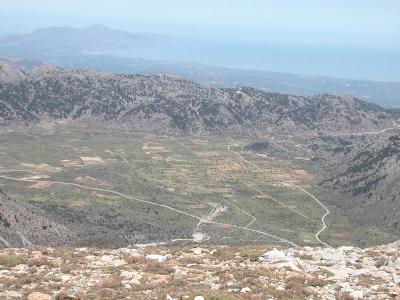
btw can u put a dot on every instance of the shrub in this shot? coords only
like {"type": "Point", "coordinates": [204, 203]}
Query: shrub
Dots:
{"type": "Point", "coordinates": [156, 267]}
{"type": "Point", "coordinates": [65, 268]}
{"type": "Point", "coordinates": [111, 282]}
{"type": "Point", "coordinates": [11, 260]}
{"type": "Point", "coordinates": [39, 261]}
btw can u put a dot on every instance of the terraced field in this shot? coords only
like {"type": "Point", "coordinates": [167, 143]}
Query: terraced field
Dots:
{"type": "Point", "coordinates": [179, 190]}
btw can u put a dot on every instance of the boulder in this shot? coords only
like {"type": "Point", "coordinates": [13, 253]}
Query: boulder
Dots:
{"type": "Point", "coordinates": [197, 251]}
{"type": "Point", "coordinates": [38, 296]}
{"type": "Point", "coordinates": [357, 295]}
{"type": "Point", "coordinates": [340, 272]}
{"type": "Point", "coordinates": [396, 264]}
{"type": "Point", "coordinates": [281, 259]}
{"type": "Point", "coordinates": [273, 255]}
{"type": "Point", "coordinates": [159, 257]}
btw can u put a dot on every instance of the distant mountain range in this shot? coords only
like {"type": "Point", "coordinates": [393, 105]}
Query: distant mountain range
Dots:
{"type": "Point", "coordinates": [86, 49]}
{"type": "Point", "coordinates": [166, 104]}
{"type": "Point", "coordinates": [68, 40]}
{"type": "Point", "coordinates": [386, 94]}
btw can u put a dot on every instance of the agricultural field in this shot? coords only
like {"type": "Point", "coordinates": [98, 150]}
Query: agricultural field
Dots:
{"type": "Point", "coordinates": [144, 188]}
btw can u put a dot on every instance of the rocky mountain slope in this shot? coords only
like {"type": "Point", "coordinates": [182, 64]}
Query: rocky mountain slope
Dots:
{"type": "Point", "coordinates": [367, 173]}
{"type": "Point", "coordinates": [24, 223]}
{"type": "Point", "coordinates": [385, 94]}
{"type": "Point", "coordinates": [161, 103]}
{"type": "Point", "coordinates": [359, 173]}
{"type": "Point", "coordinates": [23, 64]}
{"type": "Point", "coordinates": [257, 272]}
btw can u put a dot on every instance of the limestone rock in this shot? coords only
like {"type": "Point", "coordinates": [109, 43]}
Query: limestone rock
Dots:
{"type": "Point", "coordinates": [38, 296]}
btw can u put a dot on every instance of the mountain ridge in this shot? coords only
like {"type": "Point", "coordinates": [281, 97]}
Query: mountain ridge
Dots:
{"type": "Point", "coordinates": [160, 102]}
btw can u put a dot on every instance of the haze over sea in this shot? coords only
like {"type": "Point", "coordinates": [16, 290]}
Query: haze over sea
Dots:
{"type": "Point", "coordinates": [352, 39]}
{"type": "Point", "coordinates": [338, 61]}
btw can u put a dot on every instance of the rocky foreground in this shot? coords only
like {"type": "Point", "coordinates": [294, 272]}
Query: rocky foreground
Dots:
{"type": "Point", "coordinates": [256, 272]}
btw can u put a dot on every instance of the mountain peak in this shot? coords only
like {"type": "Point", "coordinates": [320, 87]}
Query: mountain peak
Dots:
{"type": "Point", "coordinates": [98, 26]}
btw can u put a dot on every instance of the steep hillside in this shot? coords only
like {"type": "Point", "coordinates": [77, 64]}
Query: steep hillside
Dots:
{"type": "Point", "coordinates": [367, 173]}
{"type": "Point", "coordinates": [10, 74]}
{"type": "Point", "coordinates": [161, 103]}
{"type": "Point", "coordinates": [23, 64]}
{"type": "Point", "coordinates": [24, 225]}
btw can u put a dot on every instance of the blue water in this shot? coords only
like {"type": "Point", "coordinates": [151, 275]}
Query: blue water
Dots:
{"type": "Point", "coordinates": [359, 63]}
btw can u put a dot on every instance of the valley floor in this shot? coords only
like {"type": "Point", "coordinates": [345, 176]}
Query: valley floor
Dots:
{"type": "Point", "coordinates": [112, 188]}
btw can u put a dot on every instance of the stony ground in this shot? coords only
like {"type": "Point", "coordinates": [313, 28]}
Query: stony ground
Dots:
{"type": "Point", "coordinates": [252, 272]}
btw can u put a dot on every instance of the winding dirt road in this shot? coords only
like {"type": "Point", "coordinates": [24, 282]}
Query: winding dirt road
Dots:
{"type": "Point", "coordinates": [154, 204]}
{"type": "Point", "coordinates": [324, 226]}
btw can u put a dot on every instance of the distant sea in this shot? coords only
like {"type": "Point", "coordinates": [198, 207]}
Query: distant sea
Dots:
{"type": "Point", "coordinates": [355, 63]}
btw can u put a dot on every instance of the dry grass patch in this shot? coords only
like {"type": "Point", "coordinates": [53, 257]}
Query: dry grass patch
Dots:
{"type": "Point", "coordinates": [65, 268]}
{"type": "Point", "coordinates": [372, 253]}
{"type": "Point", "coordinates": [297, 285]}
{"type": "Point", "coordinates": [343, 296]}
{"type": "Point", "coordinates": [225, 253]}
{"type": "Point", "coordinates": [67, 296]}
{"type": "Point", "coordinates": [133, 259]}
{"type": "Point", "coordinates": [366, 281]}
{"type": "Point", "coordinates": [316, 281]}
{"type": "Point", "coordinates": [190, 260]}
{"type": "Point", "coordinates": [63, 251]}
{"type": "Point", "coordinates": [223, 297]}
{"type": "Point", "coordinates": [148, 265]}
{"type": "Point", "coordinates": [242, 274]}
{"type": "Point", "coordinates": [40, 261]}
{"type": "Point", "coordinates": [154, 249]}
{"type": "Point", "coordinates": [9, 260]}
{"type": "Point", "coordinates": [20, 281]}
{"type": "Point", "coordinates": [304, 279]}
{"type": "Point", "coordinates": [144, 286]}
{"type": "Point", "coordinates": [110, 282]}
{"type": "Point", "coordinates": [41, 249]}
{"type": "Point", "coordinates": [159, 268]}
{"type": "Point", "coordinates": [252, 252]}
{"type": "Point", "coordinates": [106, 293]}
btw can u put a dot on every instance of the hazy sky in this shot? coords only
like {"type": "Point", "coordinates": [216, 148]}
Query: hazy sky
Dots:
{"type": "Point", "coordinates": [371, 23]}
